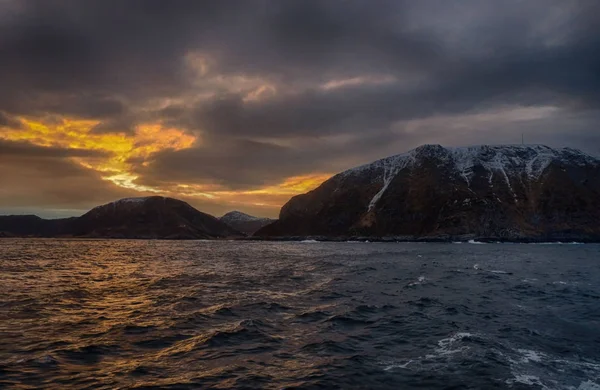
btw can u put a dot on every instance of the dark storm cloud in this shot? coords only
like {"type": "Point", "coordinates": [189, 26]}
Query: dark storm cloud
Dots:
{"type": "Point", "coordinates": [80, 106]}
{"type": "Point", "coordinates": [352, 70]}
{"type": "Point", "coordinates": [121, 124]}
{"type": "Point", "coordinates": [98, 51]}
{"type": "Point", "coordinates": [259, 164]}
{"type": "Point", "coordinates": [213, 163]}
{"type": "Point", "coordinates": [112, 48]}
{"type": "Point", "coordinates": [568, 76]}
{"type": "Point", "coordinates": [8, 121]}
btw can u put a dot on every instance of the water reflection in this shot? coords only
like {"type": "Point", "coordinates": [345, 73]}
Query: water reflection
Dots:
{"type": "Point", "coordinates": [113, 314]}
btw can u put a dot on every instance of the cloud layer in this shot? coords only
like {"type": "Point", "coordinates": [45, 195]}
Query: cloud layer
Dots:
{"type": "Point", "coordinates": [227, 103]}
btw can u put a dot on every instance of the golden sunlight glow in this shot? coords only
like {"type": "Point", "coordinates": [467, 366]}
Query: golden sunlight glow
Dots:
{"type": "Point", "coordinates": [275, 195]}
{"type": "Point", "coordinates": [117, 150]}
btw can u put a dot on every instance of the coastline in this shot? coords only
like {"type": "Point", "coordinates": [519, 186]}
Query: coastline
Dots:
{"type": "Point", "coordinates": [464, 239]}
{"type": "Point", "coordinates": [436, 239]}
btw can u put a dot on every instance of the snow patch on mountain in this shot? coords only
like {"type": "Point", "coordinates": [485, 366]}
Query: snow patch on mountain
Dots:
{"type": "Point", "coordinates": [511, 162]}
{"type": "Point", "coordinates": [133, 200]}
{"type": "Point", "coordinates": [126, 201]}
{"type": "Point", "coordinates": [393, 163]}
{"type": "Point", "coordinates": [389, 172]}
{"type": "Point", "coordinates": [238, 216]}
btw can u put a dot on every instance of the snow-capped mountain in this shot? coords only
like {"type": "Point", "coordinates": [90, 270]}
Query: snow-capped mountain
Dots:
{"type": "Point", "coordinates": [504, 192]}
{"type": "Point", "coordinates": [243, 222]}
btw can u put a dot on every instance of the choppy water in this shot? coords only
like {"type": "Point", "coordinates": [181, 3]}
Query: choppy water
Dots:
{"type": "Point", "coordinates": [193, 314]}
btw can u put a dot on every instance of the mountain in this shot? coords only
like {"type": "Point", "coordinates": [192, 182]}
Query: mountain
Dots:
{"type": "Point", "coordinates": [506, 192]}
{"type": "Point", "coordinates": [244, 223]}
{"type": "Point", "coordinates": [151, 217]}
{"type": "Point", "coordinates": [32, 225]}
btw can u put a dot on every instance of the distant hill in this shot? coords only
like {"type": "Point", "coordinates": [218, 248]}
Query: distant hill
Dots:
{"type": "Point", "coordinates": [505, 192]}
{"type": "Point", "coordinates": [32, 225]}
{"type": "Point", "coordinates": [245, 223]}
{"type": "Point", "coordinates": [154, 217]}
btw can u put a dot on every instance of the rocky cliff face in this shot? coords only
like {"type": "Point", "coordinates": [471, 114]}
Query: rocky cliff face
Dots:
{"type": "Point", "coordinates": [244, 223]}
{"type": "Point", "coordinates": [151, 217]}
{"type": "Point", "coordinates": [497, 192]}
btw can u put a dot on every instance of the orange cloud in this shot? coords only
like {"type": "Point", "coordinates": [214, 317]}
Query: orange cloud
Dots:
{"type": "Point", "coordinates": [147, 140]}
{"type": "Point", "coordinates": [275, 195]}
{"type": "Point", "coordinates": [77, 134]}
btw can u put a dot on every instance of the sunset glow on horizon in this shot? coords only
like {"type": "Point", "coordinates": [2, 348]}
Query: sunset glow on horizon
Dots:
{"type": "Point", "coordinates": [244, 105]}
{"type": "Point", "coordinates": [119, 152]}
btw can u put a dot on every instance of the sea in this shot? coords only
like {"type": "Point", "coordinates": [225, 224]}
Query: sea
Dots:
{"type": "Point", "coordinates": [134, 314]}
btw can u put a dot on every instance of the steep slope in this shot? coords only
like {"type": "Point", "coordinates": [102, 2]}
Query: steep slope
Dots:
{"type": "Point", "coordinates": [500, 192]}
{"type": "Point", "coordinates": [244, 223]}
{"type": "Point", "coordinates": [151, 217]}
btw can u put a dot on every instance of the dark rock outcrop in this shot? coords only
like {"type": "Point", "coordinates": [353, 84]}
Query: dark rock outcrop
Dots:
{"type": "Point", "coordinates": [152, 217]}
{"type": "Point", "coordinates": [513, 193]}
{"type": "Point", "coordinates": [244, 223]}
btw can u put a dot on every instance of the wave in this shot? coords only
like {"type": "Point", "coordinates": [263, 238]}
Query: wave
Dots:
{"type": "Point", "coordinates": [252, 331]}
{"type": "Point", "coordinates": [328, 347]}
{"type": "Point", "coordinates": [246, 335]}
{"type": "Point", "coordinates": [363, 309]}
{"type": "Point", "coordinates": [46, 360]}
{"type": "Point", "coordinates": [309, 316]}
{"type": "Point", "coordinates": [449, 345]}
{"type": "Point", "coordinates": [559, 243]}
{"type": "Point", "coordinates": [420, 280]}
{"type": "Point", "coordinates": [525, 366]}
{"type": "Point", "coordinates": [397, 365]}
{"type": "Point", "coordinates": [138, 329]}
{"type": "Point", "coordinates": [426, 302]}
{"type": "Point", "coordinates": [536, 368]}
{"type": "Point", "coordinates": [217, 310]}
{"type": "Point", "coordinates": [361, 315]}
{"type": "Point", "coordinates": [161, 341]}
{"type": "Point", "coordinates": [477, 267]}
{"type": "Point", "coordinates": [588, 385]}
{"type": "Point", "coordinates": [257, 315]}
{"type": "Point", "coordinates": [270, 307]}
{"type": "Point", "coordinates": [348, 320]}
{"type": "Point", "coordinates": [89, 354]}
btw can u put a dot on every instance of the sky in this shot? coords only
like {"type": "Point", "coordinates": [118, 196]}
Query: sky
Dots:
{"type": "Point", "coordinates": [242, 104]}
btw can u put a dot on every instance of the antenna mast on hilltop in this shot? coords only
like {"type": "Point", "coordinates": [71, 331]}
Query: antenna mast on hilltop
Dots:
{"type": "Point", "coordinates": [522, 138]}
